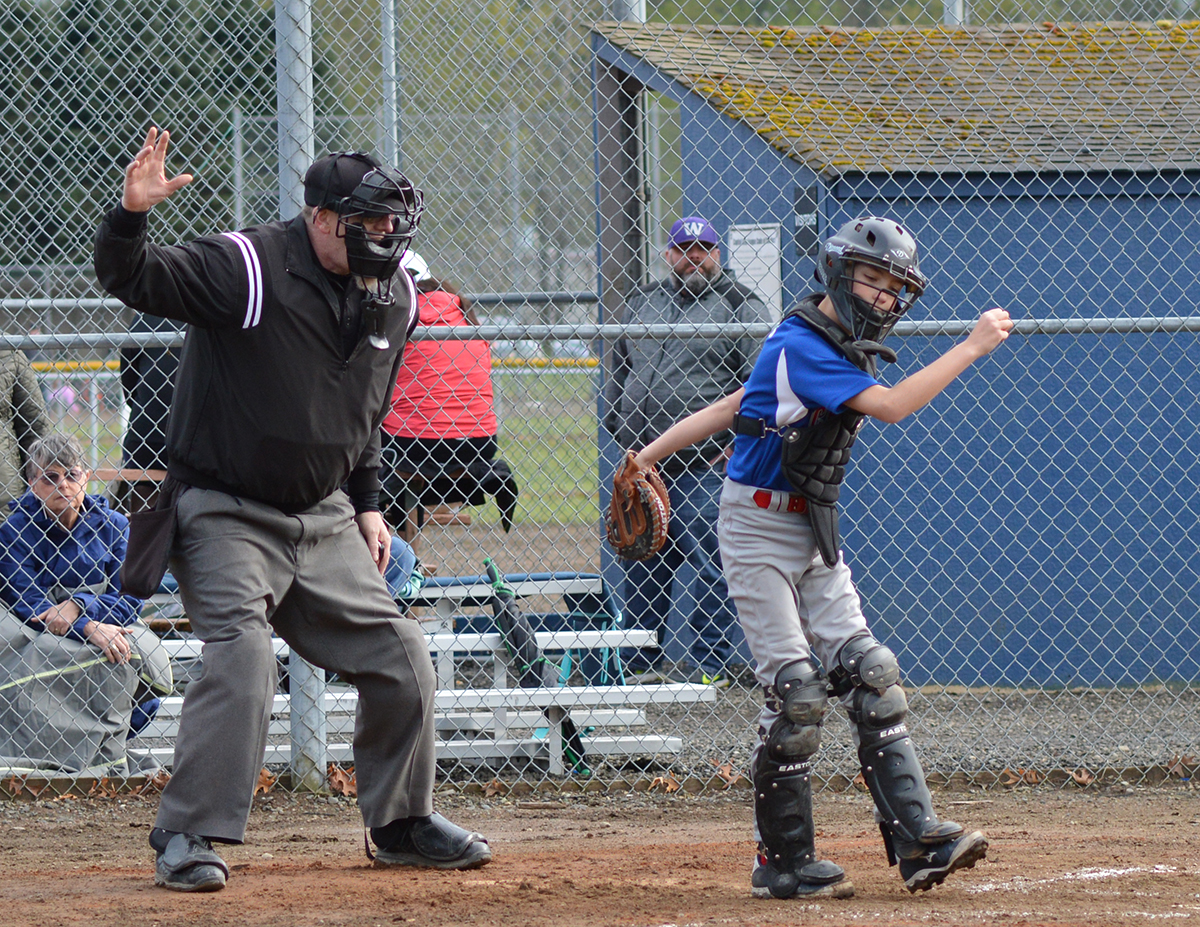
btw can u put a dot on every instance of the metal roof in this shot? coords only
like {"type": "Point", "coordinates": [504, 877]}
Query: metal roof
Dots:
{"type": "Point", "coordinates": [1115, 95]}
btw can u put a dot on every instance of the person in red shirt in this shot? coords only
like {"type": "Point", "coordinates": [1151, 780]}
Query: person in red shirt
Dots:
{"type": "Point", "coordinates": [439, 439]}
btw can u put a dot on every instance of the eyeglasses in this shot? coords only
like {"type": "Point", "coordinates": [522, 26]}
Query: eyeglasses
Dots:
{"type": "Point", "coordinates": [56, 477]}
{"type": "Point", "coordinates": [376, 225]}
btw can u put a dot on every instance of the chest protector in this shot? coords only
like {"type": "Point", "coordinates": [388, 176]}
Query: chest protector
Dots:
{"type": "Point", "coordinates": [815, 455]}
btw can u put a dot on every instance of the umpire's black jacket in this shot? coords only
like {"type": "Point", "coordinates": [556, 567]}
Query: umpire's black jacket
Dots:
{"type": "Point", "coordinates": [268, 405]}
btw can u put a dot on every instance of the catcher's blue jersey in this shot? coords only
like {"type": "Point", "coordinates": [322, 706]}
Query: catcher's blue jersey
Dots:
{"type": "Point", "coordinates": [797, 373]}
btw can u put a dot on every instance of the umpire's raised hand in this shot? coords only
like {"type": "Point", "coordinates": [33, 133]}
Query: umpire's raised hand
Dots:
{"type": "Point", "coordinates": [146, 178]}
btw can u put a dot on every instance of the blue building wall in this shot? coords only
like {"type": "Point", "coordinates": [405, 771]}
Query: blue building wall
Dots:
{"type": "Point", "coordinates": [1044, 519]}
{"type": "Point", "coordinates": [1037, 523]}
{"type": "Point", "coordinates": [731, 177]}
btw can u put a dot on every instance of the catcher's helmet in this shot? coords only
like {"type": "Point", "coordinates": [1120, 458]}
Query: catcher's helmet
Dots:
{"type": "Point", "coordinates": [882, 243]}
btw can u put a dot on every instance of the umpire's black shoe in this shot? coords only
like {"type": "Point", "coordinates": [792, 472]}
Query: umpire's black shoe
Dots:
{"type": "Point", "coordinates": [932, 866]}
{"type": "Point", "coordinates": [187, 862]}
{"type": "Point", "coordinates": [431, 842]}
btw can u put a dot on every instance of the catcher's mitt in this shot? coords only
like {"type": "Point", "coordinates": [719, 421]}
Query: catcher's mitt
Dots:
{"type": "Point", "coordinates": [637, 516]}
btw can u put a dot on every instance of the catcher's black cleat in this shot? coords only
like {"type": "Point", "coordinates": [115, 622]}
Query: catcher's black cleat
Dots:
{"type": "Point", "coordinates": [187, 862]}
{"type": "Point", "coordinates": [819, 879]}
{"type": "Point", "coordinates": [932, 866]}
{"type": "Point", "coordinates": [431, 843]}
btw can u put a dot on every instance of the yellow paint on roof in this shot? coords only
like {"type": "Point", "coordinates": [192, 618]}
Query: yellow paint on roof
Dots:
{"type": "Point", "coordinates": [1049, 95]}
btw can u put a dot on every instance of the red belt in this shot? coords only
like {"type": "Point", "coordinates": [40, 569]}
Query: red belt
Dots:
{"type": "Point", "coordinates": [762, 498]}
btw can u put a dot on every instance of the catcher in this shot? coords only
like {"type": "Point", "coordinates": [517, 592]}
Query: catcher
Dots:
{"type": "Point", "coordinates": [795, 422]}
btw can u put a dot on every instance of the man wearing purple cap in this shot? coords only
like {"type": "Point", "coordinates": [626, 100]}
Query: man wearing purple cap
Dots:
{"type": "Point", "coordinates": [293, 342]}
{"type": "Point", "coordinates": [652, 384]}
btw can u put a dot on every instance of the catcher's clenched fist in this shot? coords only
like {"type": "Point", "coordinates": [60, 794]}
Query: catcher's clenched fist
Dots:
{"type": "Point", "coordinates": [637, 516]}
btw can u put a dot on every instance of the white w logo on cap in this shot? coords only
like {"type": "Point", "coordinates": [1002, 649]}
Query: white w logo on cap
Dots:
{"type": "Point", "coordinates": [693, 228]}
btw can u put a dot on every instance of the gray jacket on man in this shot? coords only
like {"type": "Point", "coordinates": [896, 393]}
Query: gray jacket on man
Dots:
{"type": "Point", "coordinates": [653, 383]}
{"type": "Point", "coordinates": [22, 421]}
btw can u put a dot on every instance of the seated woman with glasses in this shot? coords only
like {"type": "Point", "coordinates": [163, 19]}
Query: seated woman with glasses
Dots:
{"type": "Point", "coordinates": [74, 660]}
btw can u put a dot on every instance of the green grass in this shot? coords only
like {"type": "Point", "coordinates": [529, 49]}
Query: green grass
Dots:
{"type": "Point", "coordinates": [548, 435]}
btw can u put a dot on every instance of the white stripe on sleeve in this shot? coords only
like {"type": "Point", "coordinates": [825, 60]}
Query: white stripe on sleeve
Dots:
{"type": "Point", "coordinates": [414, 312]}
{"type": "Point", "coordinates": [253, 277]}
{"type": "Point", "coordinates": [790, 408]}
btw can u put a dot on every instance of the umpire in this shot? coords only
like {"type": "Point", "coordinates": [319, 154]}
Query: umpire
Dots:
{"type": "Point", "coordinates": [292, 346]}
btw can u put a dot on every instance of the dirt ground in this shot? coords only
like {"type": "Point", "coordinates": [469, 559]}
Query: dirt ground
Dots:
{"type": "Point", "coordinates": [642, 860]}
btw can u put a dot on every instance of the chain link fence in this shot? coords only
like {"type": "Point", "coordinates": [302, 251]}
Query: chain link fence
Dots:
{"type": "Point", "coordinates": [1026, 544]}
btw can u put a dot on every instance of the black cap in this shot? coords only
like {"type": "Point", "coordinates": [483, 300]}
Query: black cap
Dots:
{"type": "Point", "coordinates": [336, 176]}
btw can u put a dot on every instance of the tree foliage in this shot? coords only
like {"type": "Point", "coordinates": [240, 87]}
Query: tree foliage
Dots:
{"type": "Point", "coordinates": [81, 83]}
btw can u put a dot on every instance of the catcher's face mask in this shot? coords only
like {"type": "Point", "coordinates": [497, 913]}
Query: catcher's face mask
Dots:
{"type": "Point", "coordinates": [879, 243]}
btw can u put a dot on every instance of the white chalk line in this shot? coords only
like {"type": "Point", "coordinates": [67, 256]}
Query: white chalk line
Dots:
{"type": "Point", "coordinates": [1088, 874]}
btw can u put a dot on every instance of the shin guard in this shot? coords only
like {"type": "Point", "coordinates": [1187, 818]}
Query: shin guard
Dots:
{"type": "Point", "coordinates": [897, 783]}
{"type": "Point", "coordinates": [783, 811]}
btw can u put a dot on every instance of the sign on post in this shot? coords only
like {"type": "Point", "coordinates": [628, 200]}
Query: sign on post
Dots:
{"type": "Point", "coordinates": [754, 255]}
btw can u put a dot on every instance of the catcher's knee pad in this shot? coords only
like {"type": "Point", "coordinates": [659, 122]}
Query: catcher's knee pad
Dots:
{"type": "Point", "coordinates": [783, 788]}
{"type": "Point", "coordinates": [870, 673]}
{"type": "Point", "coordinates": [802, 696]}
{"type": "Point", "coordinates": [890, 766]}
{"type": "Point", "coordinates": [864, 662]}
{"type": "Point", "coordinates": [871, 709]}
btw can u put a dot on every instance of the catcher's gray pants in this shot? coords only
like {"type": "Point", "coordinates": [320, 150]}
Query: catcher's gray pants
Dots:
{"type": "Point", "coordinates": [789, 603]}
{"type": "Point", "coordinates": [244, 569]}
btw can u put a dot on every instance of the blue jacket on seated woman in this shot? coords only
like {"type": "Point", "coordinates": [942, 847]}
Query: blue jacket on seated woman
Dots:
{"type": "Point", "coordinates": [43, 564]}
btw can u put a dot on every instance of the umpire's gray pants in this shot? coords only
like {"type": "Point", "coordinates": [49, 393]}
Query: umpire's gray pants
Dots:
{"type": "Point", "coordinates": [789, 603]}
{"type": "Point", "coordinates": [244, 569]}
